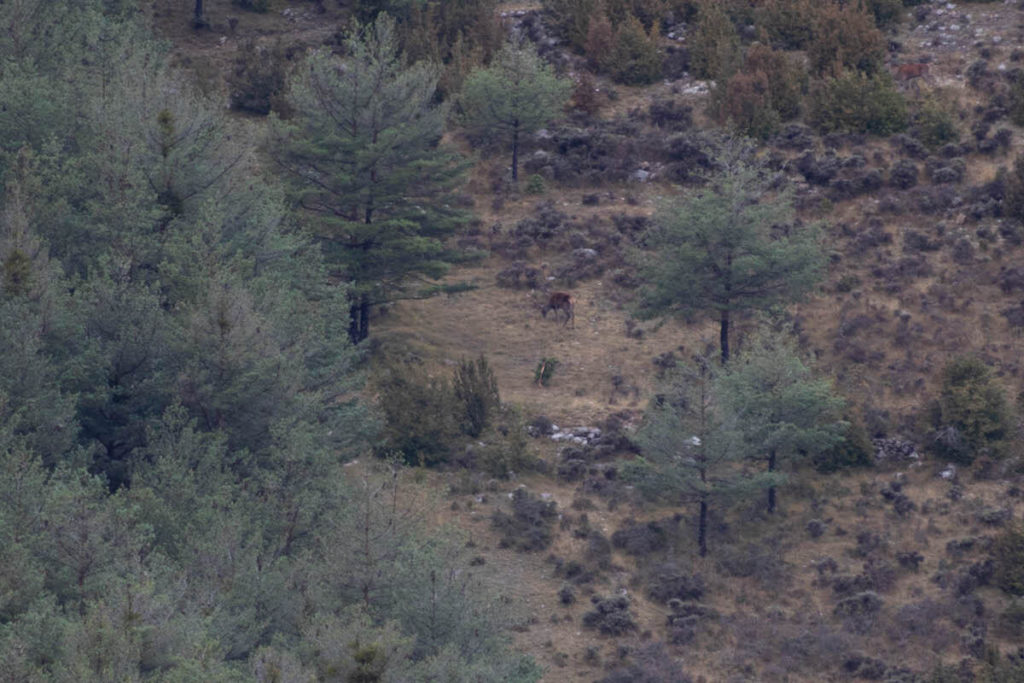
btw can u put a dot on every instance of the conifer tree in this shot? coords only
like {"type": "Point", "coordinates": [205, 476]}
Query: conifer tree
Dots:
{"type": "Point", "coordinates": [782, 412]}
{"type": "Point", "coordinates": [689, 452]}
{"type": "Point", "coordinates": [517, 94]}
{"type": "Point", "coordinates": [370, 175]}
{"type": "Point", "coordinates": [734, 245]}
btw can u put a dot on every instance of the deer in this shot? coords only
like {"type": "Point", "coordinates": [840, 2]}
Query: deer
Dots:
{"type": "Point", "coordinates": [910, 73]}
{"type": "Point", "coordinates": [561, 301]}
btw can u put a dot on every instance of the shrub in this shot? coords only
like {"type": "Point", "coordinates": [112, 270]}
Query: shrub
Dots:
{"type": "Point", "coordinates": [419, 414]}
{"type": "Point", "coordinates": [854, 102]}
{"type": "Point", "coordinates": [935, 124]}
{"type": "Point", "coordinates": [572, 18]}
{"type": "Point", "coordinates": [714, 45]}
{"type": "Point", "coordinates": [641, 538]}
{"type": "Point", "coordinates": [787, 78]}
{"type": "Point", "coordinates": [257, 79]}
{"type": "Point", "coordinates": [971, 414]}
{"type": "Point", "coordinates": [746, 105]}
{"type": "Point", "coordinates": [534, 184]}
{"type": "Point", "coordinates": [788, 24]}
{"type": "Point", "coordinates": [545, 371]}
{"type": "Point", "coordinates": [887, 13]}
{"type": "Point", "coordinates": [1013, 203]}
{"type": "Point", "coordinates": [635, 59]}
{"type": "Point", "coordinates": [476, 389]}
{"type": "Point", "coordinates": [855, 450]}
{"type": "Point", "coordinates": [845, 38]}
{"type": "Point", "coordinates": [1008, 556]}
{"type": "Point", "coordinates": [530, 527]}
{"type": "Point", "coordinates": [610, 616]}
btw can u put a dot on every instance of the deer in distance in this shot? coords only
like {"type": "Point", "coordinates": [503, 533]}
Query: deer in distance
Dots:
{"type": "Point", "coordinates": [561, 301]}
{"type": "Point", "coordinates": [909, 74]}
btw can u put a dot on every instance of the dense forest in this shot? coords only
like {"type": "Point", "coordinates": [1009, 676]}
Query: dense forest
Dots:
{"type": "Point", "coordinates": [280, 384]}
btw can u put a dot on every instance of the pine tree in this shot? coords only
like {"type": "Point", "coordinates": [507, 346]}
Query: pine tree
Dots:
{"type": "Point", "coordinates": [732, 246]}
{"type": "Point", "coordinates": [370, 175]}
{"type": "Point", "coordinates": [780, 409]}
{"type": "Point", "coordinates": [514, 96]}
{"type": "Point", "coordinates": [689, 454]}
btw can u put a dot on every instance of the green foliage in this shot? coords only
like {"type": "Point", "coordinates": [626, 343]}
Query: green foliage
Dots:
{"type": "Point", "coordinates": [514, 96]}
{"type": "Point", "coordinates": [785, 76]}
{"type": "Point", "coordinates": [545, 371]}
{"type": "Point", "coordinates": [634, 58]}
{"type": "Point", "coordinates": [376, 190]}
{"type": "Point", "coordinates": [458, 35]}
{"type": "Point", "coordinates": [935, 124]}
{"type": "Point", "coordinates": [857, 103]}
{"type": "Point", "coordinates": [788, 24]}
{"type": "Point", "coordinates": [888, 14]}
{"type": "Point", "coordinates": [782, 412]}
{"type": "Point", "coordinates": [572, 18]}
{"type": "Point", "coordinates": [419, 413]}
{"type": "Point", "coordinates": [689, 452]}
{"type": "Point", "coordinates": [476, 388]}
{"type": "Point", "coordinates": [167, 332]}
{"type": "Point", "coordinates": [714, 45]}
{"type": "Point", "coordinates": [719, 251]}
{"type": "Point", "coordinates": [854, 450]}
{"type": "Point", "coordinates": [971, 416]}
{"type": "Point", "coordinates": [534, 184]}
{"type": "Point", "coordinates": [845, 38]}
{"type": "Point", "coordinates": [1008, 555]}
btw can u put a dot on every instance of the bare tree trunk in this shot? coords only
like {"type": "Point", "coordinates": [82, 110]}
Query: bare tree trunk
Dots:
{"type": "Point", "coordinates": [515, 152]}
{"type": "Point", "coordinates": [197, 18]}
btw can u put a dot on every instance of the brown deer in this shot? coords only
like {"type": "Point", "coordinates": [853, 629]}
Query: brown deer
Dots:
{"type": "Point", "coordinates": [561, 301]}
{"type": "Point", "coordinates": [910, 73]}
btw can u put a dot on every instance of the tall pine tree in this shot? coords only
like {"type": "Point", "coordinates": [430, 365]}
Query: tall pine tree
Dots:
{"type": "Point", "coordinates": [365, 158]}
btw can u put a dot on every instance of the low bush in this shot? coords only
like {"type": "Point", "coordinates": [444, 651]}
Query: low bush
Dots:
{"type": "Point", "coordinates": [935, 124]}
{"type": "Point", "coordinates": [610, 615]}
{"type": "Point", "coordinates": [855, 450]}
{"type": "Point", "coordinates": [971, 415]}
{"type": "Point", "coordinates": [1008, 557]}
{"type": "Point", "coordinates": [419, 414]}
{"type": "Point", "coordinates": [476, 390]}
{"type": "Point", "coordinates": [530, 526]}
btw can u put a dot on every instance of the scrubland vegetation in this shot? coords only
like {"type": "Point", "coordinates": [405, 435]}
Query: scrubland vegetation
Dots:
{"type": "Point", "coordinates": [278, 403]}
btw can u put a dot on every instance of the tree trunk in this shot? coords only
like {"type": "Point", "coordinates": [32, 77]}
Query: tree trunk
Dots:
{"type": "Point", "coordinates": [702, 529]}
{"type": "Point", "coordinates": [515, 152]}
{"type": "Point", "coordinates": [723, 336]}
{"type": "Point", "coordinates": [197, 18]}
{"type": "Point", "coordinates": [359, 319]}
{"type": "Point", "coordinates": [771, 489]}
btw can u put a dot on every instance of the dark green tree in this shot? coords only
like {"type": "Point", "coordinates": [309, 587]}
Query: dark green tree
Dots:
{"type": "Point", "coordinates": [370, 175]}
{"type": "Point", "coordinates": [734, 245]}
{"type": "Point", "coordinates": [517, 94]}
{"type": "Point", "coordinates": [782, 412]}
{"type": "Point", "coordinates": [689, 455]}
{"type": "Point", "coordinates": [971, 416]}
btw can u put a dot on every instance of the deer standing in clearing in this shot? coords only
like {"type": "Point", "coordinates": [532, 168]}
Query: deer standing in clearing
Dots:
{"type": "Point", "coordinates": [910, 74]}
{"type": "Point", "coordinates": [561, 301]}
